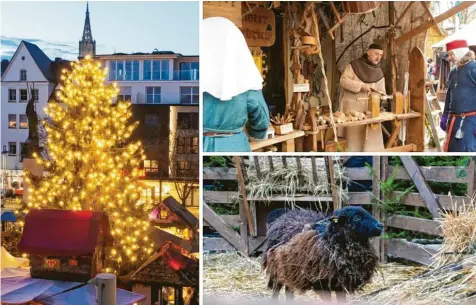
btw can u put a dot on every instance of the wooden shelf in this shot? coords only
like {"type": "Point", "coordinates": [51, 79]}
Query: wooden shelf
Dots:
{"type": "Point", "coordinates": [388, 117]}
{"type": "Point", "coordinates": [278, 139]}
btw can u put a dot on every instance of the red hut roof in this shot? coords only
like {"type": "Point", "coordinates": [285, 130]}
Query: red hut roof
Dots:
{"type": "Point", "coordinates": [58, 232]}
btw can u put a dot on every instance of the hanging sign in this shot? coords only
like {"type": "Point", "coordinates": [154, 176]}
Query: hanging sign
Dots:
{"type": "Point", "coordinates": [259, 27]}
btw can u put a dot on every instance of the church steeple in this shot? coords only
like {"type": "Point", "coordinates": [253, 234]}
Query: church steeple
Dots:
{"type": "Point", "coordinates": [87, 46]}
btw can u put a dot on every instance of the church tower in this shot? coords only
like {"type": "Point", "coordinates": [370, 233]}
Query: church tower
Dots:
{"type": "Point", "coordinates": [87, 46]}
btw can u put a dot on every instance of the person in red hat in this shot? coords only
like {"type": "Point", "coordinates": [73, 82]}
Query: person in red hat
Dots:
{"type": "Point", "coordinates": [459, 116]}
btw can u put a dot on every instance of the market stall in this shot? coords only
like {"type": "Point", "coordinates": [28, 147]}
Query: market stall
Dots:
{"type": "Point", "coordinates": [302, 49]}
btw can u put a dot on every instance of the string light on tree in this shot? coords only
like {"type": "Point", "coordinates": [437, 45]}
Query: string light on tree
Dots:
{"type": "Point", "coordinates": [92, 164]}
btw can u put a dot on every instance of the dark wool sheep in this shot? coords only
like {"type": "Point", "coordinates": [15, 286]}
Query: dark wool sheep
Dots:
{"type": "Point", "coordinates": [309, 251]}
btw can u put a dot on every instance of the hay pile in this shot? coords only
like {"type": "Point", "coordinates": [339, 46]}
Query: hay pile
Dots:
{"type": "Point", "coordinates": [451, 278]}
{"type": "Point", "coordinates": [459, 233]}
{"type": "Point", "coordinates": [234, 276]}
{"type": "Point", "coordinates": [285, 180]}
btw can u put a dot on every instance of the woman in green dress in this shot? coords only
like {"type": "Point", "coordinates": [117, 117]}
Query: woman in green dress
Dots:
{"type": "Point", "coordinates": [231, 85]}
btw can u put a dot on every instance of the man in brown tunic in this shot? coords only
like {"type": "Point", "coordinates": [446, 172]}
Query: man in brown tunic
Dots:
{"type": "Point", "coordinates": [359, 77]}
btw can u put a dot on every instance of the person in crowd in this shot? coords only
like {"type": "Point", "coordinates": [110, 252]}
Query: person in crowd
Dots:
{"type": "Point", "coordinates": [232, 89]}
{"type": "Point", "coordinates": [459, 116]}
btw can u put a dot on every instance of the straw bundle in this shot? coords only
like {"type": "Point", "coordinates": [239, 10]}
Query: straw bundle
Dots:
{"type": "Point", "coordinates": [233, 275]}
{"type": "Point", "coordinates": [450, 284]}
{"type": "Point", "coordinates": [290, 182]}
{"type": "Point", "coordinates": [459, 233]}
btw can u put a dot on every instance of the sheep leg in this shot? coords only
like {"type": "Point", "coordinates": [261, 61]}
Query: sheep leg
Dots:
{"type": "Point", "coordinates": [276, 289]}
{"type": "Point", "coordinates": [289, 294]}
{"type": "Point", "coordinates": [326, 296]}
{"type": "Point", "coordinates": [341, 298]}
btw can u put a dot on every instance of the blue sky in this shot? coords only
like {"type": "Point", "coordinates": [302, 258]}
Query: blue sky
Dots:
{"type": "Point", "coordinates": [120, 26]}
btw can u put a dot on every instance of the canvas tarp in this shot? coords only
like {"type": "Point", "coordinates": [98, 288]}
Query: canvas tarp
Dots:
{"type": "Point", "coordinates": [467, 33]}
{"type": "Point", "coordinates": [10, 261]}
{"type": "Point", "coordinates": [18, 288]}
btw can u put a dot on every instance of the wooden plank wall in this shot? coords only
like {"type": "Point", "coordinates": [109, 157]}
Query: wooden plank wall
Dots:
{"type": "Point", "coordinates": [393, 247]}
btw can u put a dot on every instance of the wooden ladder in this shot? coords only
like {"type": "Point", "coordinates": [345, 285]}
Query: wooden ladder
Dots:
{"type": "Point", "coordinates": [433, 113]}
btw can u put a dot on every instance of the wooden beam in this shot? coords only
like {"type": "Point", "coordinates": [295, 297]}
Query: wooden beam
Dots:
{"type": "Point", "coordinates": [471, 188]}
{"type": "Point", "coordinates": [242, 187]}
{"type": "Point", "coordinates": [433, 173]}
{"type": "Point", "coordinates": [223, 228]}
{"type": "Point", "coordinates": [216, 244]}
{"type": "Point", "coordinates": [401, 248]}
{"type": "Point", "coordinates": [383, 177]}
{"type": "Point", "coordinates": [447, 202]}
{"type": "Point", "coordinates": [404, 148]}
{"type": "Point", "coordinates": [232, 220]}
{"type": "Point", "coordinates": [405, 11]}
{"type": "Point", "coordinates": [427, 226]}
{"type": "Point", "coordinates": [426, 193]}
{"type": "Point", "coordinates": [335, 196]}
{"type": "Point", "coordinates": [430, 15]}
{"type": "Point", "coordinates": [426, 25]}
{"type": "Point", "coordinates": [417, 71]}
{"type": "Point", "coordinates": [376, 193]}
{"type": "Point", "coordinates": [219, 173]}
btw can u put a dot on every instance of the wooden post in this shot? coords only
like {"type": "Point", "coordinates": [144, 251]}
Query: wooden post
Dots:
{"type": "Point", "coordinates": [224, 229]}
{"type": "Point", "coordinates": [426, 193]}
{"type": "Point", "coordinates": [376, 191]}
{"type": "Point", "coordinates": [383, 216]}
{"type": "Point", "coordinates": [416, 85]}
{"type": "Point", "coordinates": [471, 177]}
{"type": "Point", "coordinates": [391, 45]}
{"type": "Point", "coordinates": [241, 184]}
{"type": "Point", "coordinates": [335, 196]}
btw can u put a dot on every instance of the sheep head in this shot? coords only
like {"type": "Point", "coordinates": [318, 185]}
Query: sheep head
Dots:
{"type": "Point", "coordinates": [362, 223]}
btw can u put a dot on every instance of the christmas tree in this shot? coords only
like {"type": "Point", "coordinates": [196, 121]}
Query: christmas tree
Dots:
{"type": "Point", "coordinates": [92, 164]}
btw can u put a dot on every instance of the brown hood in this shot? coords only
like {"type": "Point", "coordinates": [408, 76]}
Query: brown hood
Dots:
{"type": "Point", "coordinates": [366, 71]}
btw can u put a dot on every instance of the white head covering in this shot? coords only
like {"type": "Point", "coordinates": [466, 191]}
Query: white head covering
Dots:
{"type": "Point", "coordinates": [228, 69]}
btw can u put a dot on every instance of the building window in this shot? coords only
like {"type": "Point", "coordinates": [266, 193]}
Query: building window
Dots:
{"type": "Point", "coordinates": [23, 121]}
{"type": "Point", "coordinates": [189, 71]}
{"type": "Point", "coordinates": [12, 121]}
{"type": "Point", "coordinates": [12, 148]}
{"type": "Point", "coordinates": [22, 149]}
{"type": "Point", "coordinates": [23, 95]}
{"type": "Point", "coordinates": [187, 120]}
{"type": "Point", "coordinates": [153, 95]}
{"type": "Point", "coordinates": [188, 95]}
{"type": "Point", "coordinates": [187, 145]}
{"type": "Point", "coordinates": [156, 69]}
{"type": "Point", "coordinates": [132, 70]}
{"type": "Point", "coordinates": [112, 70]}
{"type": "Point", "coordinates": [151, 119]}
{"type": "Point", "coordinates": [124, 97]}
{"type": "Point", "coordinates": [163, 214]}
{"type": "Point", "coordinates": [120, 70]}
{"type": "Point", "coordinates": [22, 75]}
{"type": "Point", "coordinates": [147, 70]}
{"type": "Point", "coordinates": [192, 201]}
{"type": "Point", "coordinates": [151, 166]}
{"type": "Point", "coordinates": [12, 95]}
{"type": "Point", "coordinates": [35, 95]}
{"type": "Point", "coordinates": [186, 168]}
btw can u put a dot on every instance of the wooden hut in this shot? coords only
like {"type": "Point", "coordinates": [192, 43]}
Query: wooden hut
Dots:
{"type": "Point", "coordinates": [65, 245]}
{"type": "Point", "coordinates": [169, 277]}
{"type": "Point", "coordinates": [173, 222]}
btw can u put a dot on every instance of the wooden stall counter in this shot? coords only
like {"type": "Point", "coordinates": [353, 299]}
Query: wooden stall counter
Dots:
{"type": "Point", "coordinates": [286, 141]}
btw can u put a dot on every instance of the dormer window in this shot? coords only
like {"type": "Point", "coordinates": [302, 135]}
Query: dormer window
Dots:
{"type": "Point", "coordinates": [22, 75]}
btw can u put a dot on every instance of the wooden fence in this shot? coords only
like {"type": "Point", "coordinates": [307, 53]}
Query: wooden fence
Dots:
{"type": "Point", "coordinates": [250, 239]}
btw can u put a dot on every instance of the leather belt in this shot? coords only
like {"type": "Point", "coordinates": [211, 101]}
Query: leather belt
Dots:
{"type": "Point", "coordinates": [218, 134]}
{"type": "Point", "coordinates": [452, 117]}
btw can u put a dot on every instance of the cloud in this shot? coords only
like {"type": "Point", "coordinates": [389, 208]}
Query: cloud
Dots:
{"type": "Point", "coordinates": [64, 49]}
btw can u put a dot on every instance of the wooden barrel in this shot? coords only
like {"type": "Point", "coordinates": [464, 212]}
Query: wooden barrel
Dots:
{"type": "Point", "coordinates": [360, 7]}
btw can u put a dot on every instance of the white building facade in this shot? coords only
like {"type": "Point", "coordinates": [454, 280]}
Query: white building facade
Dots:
{"type": "Point", "coordinates": [30, 70]}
